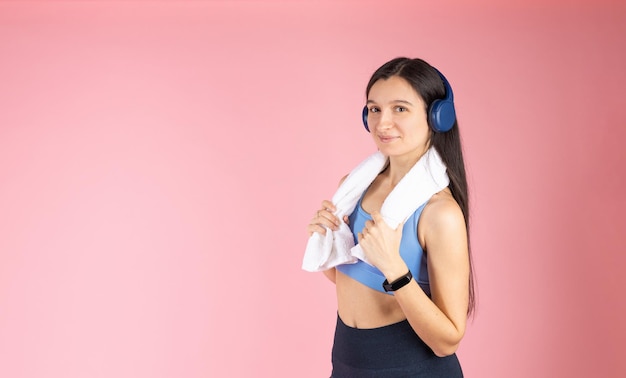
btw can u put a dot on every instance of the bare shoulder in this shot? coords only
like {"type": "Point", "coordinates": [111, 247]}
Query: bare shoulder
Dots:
{"type": "Point", "coordinates": [343, 179]}
{"type": "Point", "coordinates": [442, 218]}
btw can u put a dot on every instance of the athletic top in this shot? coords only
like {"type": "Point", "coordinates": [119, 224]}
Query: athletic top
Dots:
{"type": "Point", "coordinates": [410, 250]}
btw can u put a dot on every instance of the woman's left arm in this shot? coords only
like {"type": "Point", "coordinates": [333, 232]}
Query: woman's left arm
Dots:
{"type": "Point", "coordinates": [439, 321]}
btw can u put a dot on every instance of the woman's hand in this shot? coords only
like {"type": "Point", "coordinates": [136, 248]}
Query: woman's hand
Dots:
{"type": "Point", "coordinates": [381, 245]}
{"type": "Point", "coordinates": [323, 218]}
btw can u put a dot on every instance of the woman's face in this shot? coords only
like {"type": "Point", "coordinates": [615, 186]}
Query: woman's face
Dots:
{"type": "Point", "coordinates": [397, 118]}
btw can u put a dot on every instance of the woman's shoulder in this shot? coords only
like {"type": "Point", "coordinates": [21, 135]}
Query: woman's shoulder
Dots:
{"type": "Point", "coordinates": [442, 215]}
{"type": "Point", "coordinates": [342, 180]}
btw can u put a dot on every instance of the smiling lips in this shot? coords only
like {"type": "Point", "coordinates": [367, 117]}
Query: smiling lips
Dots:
{"type": "Point", "coordinates": [387, 138]}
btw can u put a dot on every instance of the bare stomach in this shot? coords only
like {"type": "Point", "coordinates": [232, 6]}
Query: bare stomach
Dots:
{"type": "Point", "coordinates": [362, 307]}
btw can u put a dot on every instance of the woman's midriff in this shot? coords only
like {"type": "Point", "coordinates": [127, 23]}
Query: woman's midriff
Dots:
{"type": "Point", "coordinates": [361, 307]}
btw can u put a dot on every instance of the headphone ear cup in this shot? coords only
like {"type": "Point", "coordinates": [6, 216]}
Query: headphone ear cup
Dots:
{"type": "Point", "coordinates": [442, 115]}
{"type": "Point", "coordinates": [364, 114]}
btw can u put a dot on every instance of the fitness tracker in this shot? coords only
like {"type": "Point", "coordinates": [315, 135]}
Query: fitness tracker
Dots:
{"type": "Point", "coordinates": [399, 283]}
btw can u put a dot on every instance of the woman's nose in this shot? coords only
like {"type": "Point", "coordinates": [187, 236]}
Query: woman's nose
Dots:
{"type": "Point", "coordinates": [385, 121]}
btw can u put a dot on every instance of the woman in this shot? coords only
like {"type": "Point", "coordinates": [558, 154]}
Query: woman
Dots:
{"type": "Point", "coordinates": [414, 328]}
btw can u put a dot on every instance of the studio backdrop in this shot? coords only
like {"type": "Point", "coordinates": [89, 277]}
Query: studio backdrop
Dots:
{"type": "Point", "coordinates": [160, 160]}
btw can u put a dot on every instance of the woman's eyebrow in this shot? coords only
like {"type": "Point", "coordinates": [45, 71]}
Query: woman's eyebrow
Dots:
{"type": "Point", "coordinates": [392, 102]}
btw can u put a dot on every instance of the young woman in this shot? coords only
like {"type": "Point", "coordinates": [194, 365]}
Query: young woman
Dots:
{"type": "Point", "coordinates": [414, 329]}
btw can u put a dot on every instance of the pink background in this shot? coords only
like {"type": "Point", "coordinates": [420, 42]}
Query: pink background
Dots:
{"type": "Point", "coordinates": [159, 162]}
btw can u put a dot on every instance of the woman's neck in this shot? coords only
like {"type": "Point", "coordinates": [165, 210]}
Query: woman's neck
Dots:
{"type": "Point", "coordinates": [399, 166]}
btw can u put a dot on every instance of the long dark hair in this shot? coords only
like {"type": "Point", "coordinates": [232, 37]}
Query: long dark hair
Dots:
{"type": "Point", "coordinates": [426, 81]}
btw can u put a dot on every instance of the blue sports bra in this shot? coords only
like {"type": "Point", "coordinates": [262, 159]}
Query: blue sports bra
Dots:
{"type": "Point", "coordinates": [410, 250]}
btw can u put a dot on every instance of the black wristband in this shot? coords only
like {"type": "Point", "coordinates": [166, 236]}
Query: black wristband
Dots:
{"type": "Point", "coordinates": [397, 284]}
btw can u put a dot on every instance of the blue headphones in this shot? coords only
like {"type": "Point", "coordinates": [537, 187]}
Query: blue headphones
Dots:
{"type": "Point", "coordinates": [441, 114]}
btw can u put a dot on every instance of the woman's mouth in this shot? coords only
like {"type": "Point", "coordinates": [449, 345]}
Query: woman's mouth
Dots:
{"type": "Point", "coordinates": [387, 138]}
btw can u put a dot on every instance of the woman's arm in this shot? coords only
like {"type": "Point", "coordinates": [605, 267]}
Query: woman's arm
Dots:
{"type": "Point", "coordinates": [325, 217]}
{"type": "Point", "coordinates": [330, 274]}
{"type": "Point", "coordinates": [440, 322]}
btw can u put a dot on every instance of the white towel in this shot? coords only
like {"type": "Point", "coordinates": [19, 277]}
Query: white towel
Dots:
{"type": "Point", "coordinates": [427, 177]}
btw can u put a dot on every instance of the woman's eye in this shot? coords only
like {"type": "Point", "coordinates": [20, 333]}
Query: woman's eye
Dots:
{"type": "Point", "coordinates": [400, 109]}
{"type": "Point", "coordinates": [374, 110]}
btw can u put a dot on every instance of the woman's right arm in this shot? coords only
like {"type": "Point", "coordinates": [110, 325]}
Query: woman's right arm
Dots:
{"type": "Point", "coordinates": [326, 217]}
{"type": "Point", "coordinates": [330, 274]}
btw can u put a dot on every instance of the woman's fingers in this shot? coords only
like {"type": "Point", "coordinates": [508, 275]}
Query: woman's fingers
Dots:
{"type": "Point", "coordinates": [326, 204]}
{"type": "Point", "coordinates": [328, 219]}
{"type": "Point", "coordinates": [314, 227]}
{"type": "Point", "coordinates": [324, 218]}
{"type": "Point", "coordinates": [326, 215]}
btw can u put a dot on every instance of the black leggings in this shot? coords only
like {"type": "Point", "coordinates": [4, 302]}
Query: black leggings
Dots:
{"type": "Point", "coordinates": [390, 351]}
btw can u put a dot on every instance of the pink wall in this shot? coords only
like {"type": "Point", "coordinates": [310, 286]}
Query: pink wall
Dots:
{"type": "Point", "coordinates": [159, 162]}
